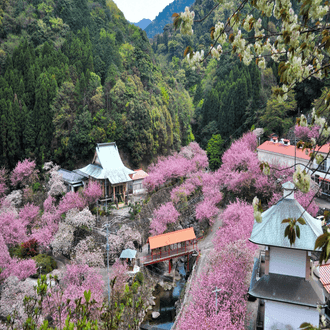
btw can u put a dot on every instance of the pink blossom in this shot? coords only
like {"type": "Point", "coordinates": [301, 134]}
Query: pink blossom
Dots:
{"type": "Point", "coordinates": [162, 216]}
{"type": "Point", "coordinates": [119, 271]}
{"type": "Point", "coordinates": [206, 210]}
{"type": "Point", "coordinates": [80, 278]}
{"type": "Point", "coordinates": [93, 192]}
{"type": "Point", "coordinates": [128, 234]}
{"type": "Point", "coordinates": [12, 229]}
{"type": "Point", "coordinates": [240, 172]}
{"type": "Point", "coordinates": [190, 159]}
{"type": "Point", "coordinates": [49, 204]}
{"type": "Point", "coordinates": [4, 253]}
{"type": "Point", "coordinates": [24, 172]}
{"type": "Point", "coordinates": [19, 268]}
{"type": "Point", "coordinates": [306, 132]}
{"type": "Point", "coordinates": [70, 201]}
{"type": "Point", "coordinates": [28, 214]}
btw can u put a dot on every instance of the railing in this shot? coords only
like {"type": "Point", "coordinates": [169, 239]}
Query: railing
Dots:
{"type": "Point", "coordinates": [165, 254]}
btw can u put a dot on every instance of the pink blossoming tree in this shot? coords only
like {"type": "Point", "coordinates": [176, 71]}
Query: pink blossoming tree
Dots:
{"type": "Point", "coordinates": [163, 216]}
{"type": "Point", "coordinates": [24, 173]}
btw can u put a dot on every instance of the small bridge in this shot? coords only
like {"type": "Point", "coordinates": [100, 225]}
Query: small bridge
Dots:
{"type": "Point", "coordinates": [170, 245]}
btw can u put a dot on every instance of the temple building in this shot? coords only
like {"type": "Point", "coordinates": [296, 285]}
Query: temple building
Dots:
{"type": "Point", "coordinates": [289, 295]}
{"type": "Point", "coordinates": [108, 169]}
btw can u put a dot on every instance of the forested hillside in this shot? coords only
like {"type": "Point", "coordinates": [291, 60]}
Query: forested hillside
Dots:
{"type": "Point", "coordinates": [165, 16]}
{"type": "Point", "coordinates": [75, 73]}
{"type": "Point", "coordinates": [230, 97]}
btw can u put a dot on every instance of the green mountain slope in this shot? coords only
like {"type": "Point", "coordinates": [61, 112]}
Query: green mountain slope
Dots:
{"type": "Point", "coordinates": [165, 16]}
{"type": "Point", "coordinates": [75, 73]}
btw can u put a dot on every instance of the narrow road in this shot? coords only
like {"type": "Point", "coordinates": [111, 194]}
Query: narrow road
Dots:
{"type": "Point", "coordinates": [204, 246]}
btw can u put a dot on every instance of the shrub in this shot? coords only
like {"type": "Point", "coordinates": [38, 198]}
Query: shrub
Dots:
{"type": "Point", "coordinates": [29, 248]}
{"type": "Point", "coordinates": [139, 277]}
{"type": "Point", "coordinates": [47, 263]}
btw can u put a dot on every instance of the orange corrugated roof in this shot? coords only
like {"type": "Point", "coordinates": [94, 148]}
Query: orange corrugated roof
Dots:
{"type": "Point", "coordinates": [280, 148]}
{"type": "Point", "coordinates": [171, 238]}
{"type": "Point", "coordinates": [325, 276]}
{"type": "Point", "coordinates": [139, 174]}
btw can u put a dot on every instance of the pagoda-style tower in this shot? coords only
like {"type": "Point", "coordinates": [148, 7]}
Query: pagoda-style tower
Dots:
{"type": "Point", "coordinates": [290, 293]}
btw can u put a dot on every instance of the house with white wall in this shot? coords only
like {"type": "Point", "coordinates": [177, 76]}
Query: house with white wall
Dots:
{"type": "Point", "coordinates": [285, 155]}
{"type": "Point", "coordinates": [136, 187]}
{"type": "Point", "coordinates": [291, 295]}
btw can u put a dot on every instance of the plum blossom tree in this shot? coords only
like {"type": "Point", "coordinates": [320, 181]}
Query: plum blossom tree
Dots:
{"type": "Point", "coordinates": [83, 218]}
{"type": "Point", "coordinates": [163, 216]}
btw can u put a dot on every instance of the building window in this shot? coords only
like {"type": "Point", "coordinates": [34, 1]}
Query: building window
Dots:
{"type": "Point", "coordinates": [323, 166]}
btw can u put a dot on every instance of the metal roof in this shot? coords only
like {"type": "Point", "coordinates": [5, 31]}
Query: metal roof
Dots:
{"type": "Point", "coordinates": [111, 167]}
{"type": "Point", "coordinates": [289, 289]}
{"type": "Point", "coordinates": [172, 238]}
{"type": "Point", "coordinates": [128, 253]}
{"type": "Point", "coordinates": [325, 276]}
{"type": "Point", "coordinates": [71, 177]}
{"type": "Point", "coordinates": [271, 231]}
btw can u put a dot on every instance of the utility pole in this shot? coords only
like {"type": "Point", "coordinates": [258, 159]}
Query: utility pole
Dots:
{"type": "Point", "coordinates": [108, 275]}
{"type": "Point", "coordinates": [216, 298]}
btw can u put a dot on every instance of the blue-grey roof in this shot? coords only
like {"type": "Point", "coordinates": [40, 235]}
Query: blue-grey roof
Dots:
{"type": "Point", "coordinates": [110, 165]}
{"type": "Point", "coordinates": [288, 289]}
{"type": "Point", "coordinates": [271, 231]}
{"type": "Point", "coordinates": [128, 253]}
{"type": "Point", "coordinates": [71, 177]}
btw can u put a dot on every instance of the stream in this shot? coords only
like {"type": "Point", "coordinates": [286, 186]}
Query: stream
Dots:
{"type": "Point", "coordinates": [165, 303]}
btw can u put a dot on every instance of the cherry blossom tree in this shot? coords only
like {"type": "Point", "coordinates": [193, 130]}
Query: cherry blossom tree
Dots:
{"type": "Point", "coordinates": [83, 218]}
{"type": "Point", "coordinates": [86, 252]}
{"type": "Point", "coordinates": [93, 192]}
{"type": "Point", "coordinates": [12, 229]}
{"type": "Point", "coordinates": [190, 159]}
{"type": "Point", "coordinates": [12, 296]}
{"type": "Point", "coordinates": [55, 184]}
{"type": "Point", "coordinates": [24, 173]}
{"type": "Point", "coordinates": [63, 239]}
{"type": "Point", "coordinates": [163, 216]}
{"type": "Point", "coordinates": [70, 201]}
{"type": "Point", "coordinates": [229, 269]}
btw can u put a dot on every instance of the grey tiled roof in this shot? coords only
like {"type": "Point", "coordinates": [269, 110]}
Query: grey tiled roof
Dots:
{"type": "Point", "coordinates": [289, 289]}
{"type": "Point", "coordinates": [271, 231]}
{"type": "Point", "coordinates": [70, 176]}
{"type": "Point", "coordinates": [111, 167]}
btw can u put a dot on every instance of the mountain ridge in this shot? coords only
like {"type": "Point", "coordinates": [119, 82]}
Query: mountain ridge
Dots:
{"type": "Point", "coordinates": [143, 23]}
{"type": "Point", "coordinates": [165, 16]}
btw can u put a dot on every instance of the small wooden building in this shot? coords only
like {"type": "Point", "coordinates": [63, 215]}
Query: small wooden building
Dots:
{"type": "Point", "coordinates": [108, 169]}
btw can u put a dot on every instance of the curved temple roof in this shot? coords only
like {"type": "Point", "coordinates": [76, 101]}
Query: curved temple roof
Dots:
{"type": "Point", "coordinates": [271, 231]}
{"type": "Point", "coordinates": [110, 165]}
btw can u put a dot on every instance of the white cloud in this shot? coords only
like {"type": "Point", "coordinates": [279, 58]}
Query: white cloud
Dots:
{"type": "Point", "coordinates": [135, 10]}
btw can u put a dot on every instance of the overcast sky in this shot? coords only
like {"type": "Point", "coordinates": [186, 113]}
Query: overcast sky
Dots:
{"type": "Point", "coordinates": [135, 10]}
